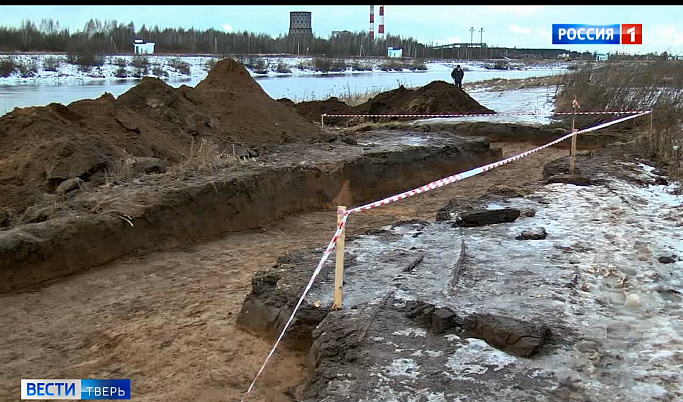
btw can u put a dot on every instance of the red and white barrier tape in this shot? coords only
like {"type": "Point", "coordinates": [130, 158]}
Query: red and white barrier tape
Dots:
{"type": "Point", "coordinates": [485, 114]}
{"type": "Point", "coordinates": [326, 254]}
{"type": "Point", "coordinates": [473, 172]}
{"type": "Point", "coordinates": [427, 187]}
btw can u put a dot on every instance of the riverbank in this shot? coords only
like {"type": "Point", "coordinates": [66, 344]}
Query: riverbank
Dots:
{"type": "Point", "coordinates": [30, 68]}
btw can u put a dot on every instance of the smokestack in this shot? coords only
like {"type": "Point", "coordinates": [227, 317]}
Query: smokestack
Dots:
{"type": "Point", "coordinates": [372, 22]}
{"type": "Point", "coordinates": [381, 20]}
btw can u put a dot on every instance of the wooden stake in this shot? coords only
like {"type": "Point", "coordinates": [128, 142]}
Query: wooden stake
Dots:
{"type": "Point", "coordinates": [322, 121]}
{"type": "Point", "coordinates": [572, 151]}
{"type": "Point", "coordinates": [652, 131]}
{"type": "Point", "coordinates": [339, 267]}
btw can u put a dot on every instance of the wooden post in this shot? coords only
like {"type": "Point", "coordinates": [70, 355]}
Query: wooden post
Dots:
{"type": "Point", "coordinates": [572, 151]}
{"type": "Point", "coordinates": [322, 121]}
{"type": "Point", "coordinates": [339, 267]}
{"type": "Point", "coordinates": [652, 132]}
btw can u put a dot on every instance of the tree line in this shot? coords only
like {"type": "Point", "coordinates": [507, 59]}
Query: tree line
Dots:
{"type": "Point", "coordinates": [113, 37]}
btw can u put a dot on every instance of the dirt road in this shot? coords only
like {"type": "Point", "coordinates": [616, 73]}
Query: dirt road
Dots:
{"type": "Point", "coordinates": [167, 320]}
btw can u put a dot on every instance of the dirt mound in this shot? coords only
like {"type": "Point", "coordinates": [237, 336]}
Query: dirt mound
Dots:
{"type": "Point", "coordinates": [245, 112]}
{"type": "Point", "coordinates": [92, 139]}
{"type": "Point", "coordinates": [312, 110]}
{"type": "Point", "coordinates": [434, 98]}
{"type": "Point", "coordinates": [437, 97]}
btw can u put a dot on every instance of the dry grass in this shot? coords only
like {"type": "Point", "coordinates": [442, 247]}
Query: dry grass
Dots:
{"type": "Point", "coordinates": [633, 85]}
{"type": "Point", "coordinates": [205, 156]}
{"type": "Point", "coordinates": [502, 84]}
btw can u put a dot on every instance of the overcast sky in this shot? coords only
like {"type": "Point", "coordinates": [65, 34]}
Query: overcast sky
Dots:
{"type": "Point", "coordinates": [521, 26]}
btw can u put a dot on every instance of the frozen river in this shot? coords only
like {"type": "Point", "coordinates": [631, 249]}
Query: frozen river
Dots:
{"type": "Point", "coordinates": [298, 86]}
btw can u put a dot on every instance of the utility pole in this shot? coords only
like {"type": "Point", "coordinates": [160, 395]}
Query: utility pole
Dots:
{"type": "Point", "coordinates": [481, 41]}
{"type": "Point", "coordinates": [471, 40]}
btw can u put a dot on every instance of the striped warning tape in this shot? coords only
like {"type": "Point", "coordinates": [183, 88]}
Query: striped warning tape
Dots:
{"type": "Point", "coordinates": [485, 114]}
{"type": "Point", "coordinates": [317, 270]}
{"type": "Point", "coordinates": [473, 172]}
{"type": "Point", "coordinates": [431, 186]}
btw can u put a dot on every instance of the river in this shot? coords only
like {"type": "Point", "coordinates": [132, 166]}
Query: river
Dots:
{"type": "Point", "coordinates": [298, 87]}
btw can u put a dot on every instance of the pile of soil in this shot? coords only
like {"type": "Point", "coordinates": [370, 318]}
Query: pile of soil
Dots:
{"type": "Point", "coordinates": [41, 147]}
{"type": "Point", "coordinates": [437, 97]}
{"type": "Point", "coordinates": [312, 110]}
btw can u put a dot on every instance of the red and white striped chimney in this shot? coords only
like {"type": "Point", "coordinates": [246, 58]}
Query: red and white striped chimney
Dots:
{"type": "Point", "coordinates": [372, 22]}
{"type": "Point", "coordinates": [381, 20]}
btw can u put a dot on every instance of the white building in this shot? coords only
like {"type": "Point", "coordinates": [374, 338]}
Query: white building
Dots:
{"type": "Point", "coordinates": [394, 53]}
{"type": "Point", "coordinates": [142, 47]}
{"type": "Point", "coordinates": [601, 57]}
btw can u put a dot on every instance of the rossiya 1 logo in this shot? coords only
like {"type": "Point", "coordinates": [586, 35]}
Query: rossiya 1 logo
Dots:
{"type": "Point", "coordinates": [583, 34]}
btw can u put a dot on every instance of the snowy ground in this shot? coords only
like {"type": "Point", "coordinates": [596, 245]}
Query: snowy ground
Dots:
{"type": "Point", "coordinates": [538, 102]}
{"type": "Point", "coordinates": [595, 280]}
{"type": "Point", "coordinates": [199, 66]}
{"type": "Point", "coordinates": [70, 84]}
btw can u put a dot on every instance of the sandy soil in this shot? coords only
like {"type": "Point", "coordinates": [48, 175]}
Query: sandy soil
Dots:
{"type": "Point", "coordinates": [167, 320]}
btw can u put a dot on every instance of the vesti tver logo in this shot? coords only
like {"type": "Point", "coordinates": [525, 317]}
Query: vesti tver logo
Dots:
{"type": "Point", "coordinates": [75, 389]}
{"type": "Point", "coordinates": [582, 34]}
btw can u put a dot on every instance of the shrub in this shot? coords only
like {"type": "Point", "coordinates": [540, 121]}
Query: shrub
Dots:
{"type": "Point", "coordinates": [304, 65]}
{"type": "Point", "coordinates": [282, 68]}
{"type": "Point", "coordinates": [322, 64]}
{"type": "Point", "coordinates": [85, 59]}
{"type": "Point", "coordinates": [51, 63]}
{"type": "Point", "coordinates": [257, 64]}
{"type": "Point", "coordinates": [7, 67]}
{"type": "Point", "coordinates": [28, 69]}
{"type": "Point", "coordinates": [391, 65]}
{"type": "Point", "coordinates": [181, 66]}
{"type": "Point", "coordinates": [356, 66]}
{"type": "Point", "coordinates": [632, 86]}
{"type": "Point", "coordinates": [338, 65]}
{"type": "Point", "coordinates": [418, 65]}
{"type": "Point", "coordinates": [139, 72]}
{"type": "Point", "coordinates": [121, 73]}
{"type": "Point", "coordinates": [120, 61]}
{"type": "Point", "coordinates": [140, 62]}
{"type": "Point", "coordinates": [159, 72]}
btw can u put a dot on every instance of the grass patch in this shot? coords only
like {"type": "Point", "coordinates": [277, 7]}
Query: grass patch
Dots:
{"type": "Point", "coordinates": [633, 85]}
{"type": "Point", "coordinates": [179, 65]}
{"type": "Point", "coordinates": [52, 63]}
{"type": "Point", "coordinates": [7, 67]}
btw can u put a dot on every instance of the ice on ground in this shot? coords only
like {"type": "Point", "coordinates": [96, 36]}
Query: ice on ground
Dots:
{"type": "Point", "coordinates": [615, 311]}
{"type": "Point", "coordinates": [539, 103]}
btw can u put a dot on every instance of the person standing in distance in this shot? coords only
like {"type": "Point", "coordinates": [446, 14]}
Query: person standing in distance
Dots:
{"type": "Point", "coordinates": [457, 75]}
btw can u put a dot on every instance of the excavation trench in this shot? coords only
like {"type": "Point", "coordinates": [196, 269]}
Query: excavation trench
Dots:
{"type": "Point", "coordinates": [92, 229]}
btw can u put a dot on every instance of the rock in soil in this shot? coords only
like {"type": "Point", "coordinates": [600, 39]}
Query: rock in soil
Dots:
{"type": "Point", "coordinates": [665, 259]}
{"type": "Point", "coordinates": [533, 234]}
{"type": "Point", "coordinates": [509, 334]}
{"type": "Point", "coordinates": [69, 185]}
{"type": "Point", "coordinates": [488, 217]}
{"type": "Point", "coordinates": [147, 165]}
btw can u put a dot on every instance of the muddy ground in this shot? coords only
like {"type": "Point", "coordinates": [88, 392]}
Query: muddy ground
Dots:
{"type": "Point", "coordinates": [131, 227]}
{"type": "Point", "coordinates": [168, 319]}
{"type": "Point", "coordinates": [486, 305]}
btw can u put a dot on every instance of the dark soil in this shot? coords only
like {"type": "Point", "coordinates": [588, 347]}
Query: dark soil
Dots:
{"type": "Point", "coordinates": [437, 97]}
{"type": "Point", "coordinates": [40, 147]}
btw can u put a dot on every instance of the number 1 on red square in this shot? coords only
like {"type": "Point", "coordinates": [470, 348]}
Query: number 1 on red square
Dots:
{"type": "Point", "coordinates": [631, 34]}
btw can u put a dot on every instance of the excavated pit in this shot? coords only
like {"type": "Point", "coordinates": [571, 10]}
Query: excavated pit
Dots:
{"type": "Point", "coordinates": [155, 212]}
{"type": "Point", "coordinates": [590, 311]}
